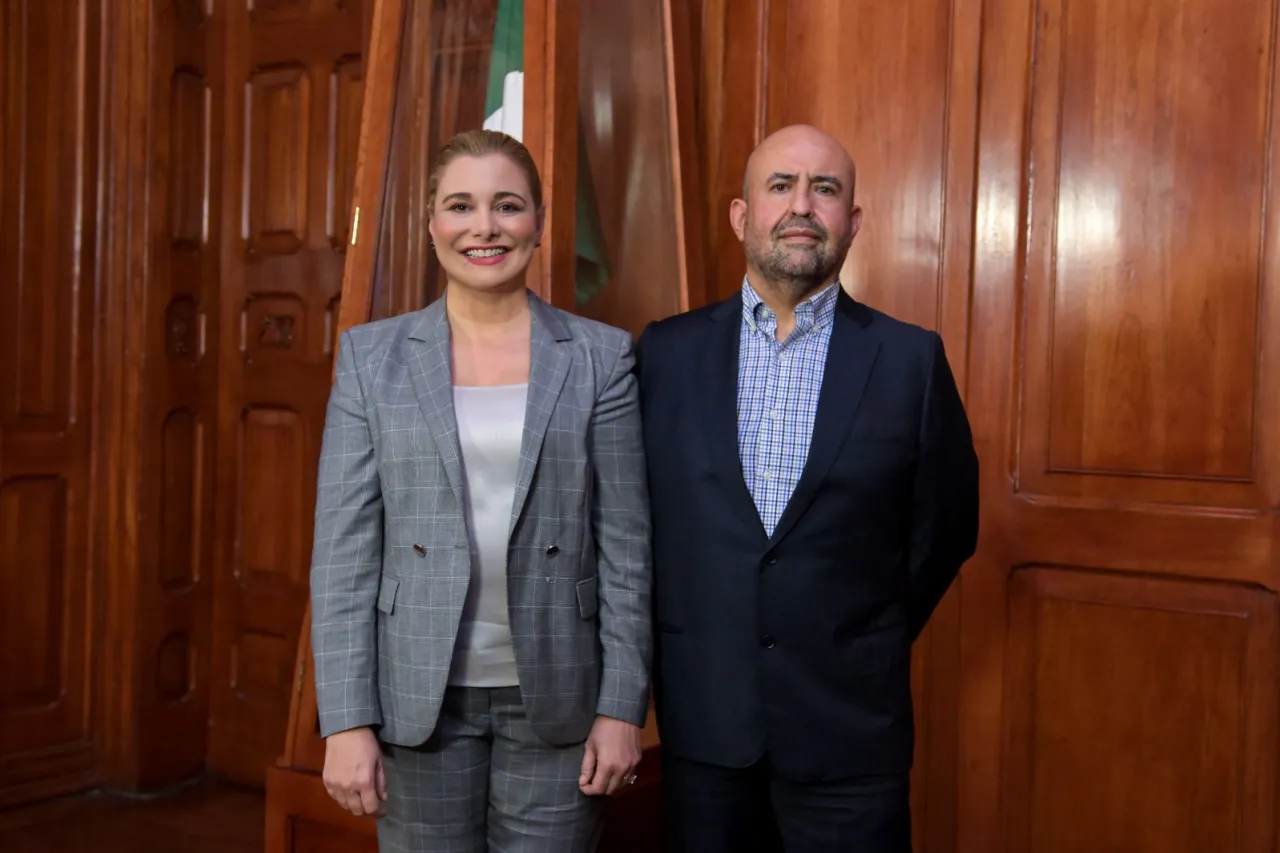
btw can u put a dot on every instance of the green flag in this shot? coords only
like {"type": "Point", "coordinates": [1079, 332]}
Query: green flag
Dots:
{"type": "Point", "coordinates": [504, 111]}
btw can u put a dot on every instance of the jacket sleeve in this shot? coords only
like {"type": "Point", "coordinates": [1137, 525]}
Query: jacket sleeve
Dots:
{"type": "Point", "coordinates": [944, 521]}
{"type": "Point", "coordinates": [346, 559]}
{"type": "Point", "coordinates": [620, 521]}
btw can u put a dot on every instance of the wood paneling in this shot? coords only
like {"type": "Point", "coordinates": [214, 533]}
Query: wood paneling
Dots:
{"type": "Point", "coordinates": [48, 186]}
{"type": "Point", "coordinates": [175, 591]}
{"type": "Point", "coordinates": [1182, 723]}
{"type": "Point", "coordinates": [1124, 396]}
{"type": "Point", "coordinates": [551, 108]}
{"type": "Point", "coordinates": [293, 91]}
{"type": "Point", "coordinates": [157, 294]}
{"type": "Point", "coordinates": [622, 97]}
{"type": "Point", "coordinates": [639, 160]}
{"type": "Point", "coordinates": [1053, 186]}
{"type": "Point", "coordinates": [1142, 318]}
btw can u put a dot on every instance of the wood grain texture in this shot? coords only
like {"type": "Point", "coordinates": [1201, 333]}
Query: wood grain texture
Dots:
{"type": "Point", "coordinates": [49, 126]}
{"type": "Point", "coordinates": [631, 163]}
{"type": "Point", "coordinates": [1187, 750]}
{"type": "Point", "coordinates": [176, 489]}
{"type": "Point", "coordinates": [290, 78]}
{"type": "Point", "coordinates": [551, 134]}
{"type": "Point", "coordinates": [1124, 432]}
{"type": "Point", "coordinates": [1143, 320]}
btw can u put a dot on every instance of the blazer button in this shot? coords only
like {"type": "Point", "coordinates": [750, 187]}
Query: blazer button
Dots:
{"type": "Point", "coordinates": [419, 550]}
{"type": "Point", "coordinates": [766, 640]}
{"type": "Point", "coordinates": [552, 550]}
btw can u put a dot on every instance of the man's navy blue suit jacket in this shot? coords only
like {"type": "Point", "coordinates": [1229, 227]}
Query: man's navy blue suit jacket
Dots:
{"type": "Point", "coordinates": [798, 646]}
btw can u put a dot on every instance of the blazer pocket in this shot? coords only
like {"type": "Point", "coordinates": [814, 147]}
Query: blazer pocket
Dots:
{"type": "Point", "coordinates": [881, 650]}
{"type": "Point", "coordinates": [387, 594]}
{"type": "Point", "coordinates": [588, 597]}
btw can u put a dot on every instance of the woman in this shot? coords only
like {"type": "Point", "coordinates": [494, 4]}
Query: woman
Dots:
{"type": "Point", "coordinates": [480, 578]}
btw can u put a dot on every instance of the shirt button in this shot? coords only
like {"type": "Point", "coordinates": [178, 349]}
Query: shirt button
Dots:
{"type": "Point", "coordinates": [775, 414]}
{"type": "Point", "coordinates": [766, 641]}
{"type": "Point", "coordinates": [767, 474]}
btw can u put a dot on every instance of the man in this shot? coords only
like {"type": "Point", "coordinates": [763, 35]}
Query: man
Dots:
{"type": "Point", "coordinates": [814, 493]}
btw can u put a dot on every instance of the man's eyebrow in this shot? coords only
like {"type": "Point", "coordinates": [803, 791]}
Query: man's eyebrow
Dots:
{"type": "Point", "coordinates": [789, 177]}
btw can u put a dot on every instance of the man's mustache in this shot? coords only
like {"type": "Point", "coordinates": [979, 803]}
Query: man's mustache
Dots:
{"type": "Point", "coordinates": [801, 225]}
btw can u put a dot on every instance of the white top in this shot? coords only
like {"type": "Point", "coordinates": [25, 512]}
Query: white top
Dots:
{"type": "Point", "coordinates": [490, 430]}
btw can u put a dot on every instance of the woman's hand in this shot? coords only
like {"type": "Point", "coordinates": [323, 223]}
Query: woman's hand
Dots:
{"type": "Point", "coordinates": [353, 773]}
{"type": "Point", "coordinates": [611, 757]}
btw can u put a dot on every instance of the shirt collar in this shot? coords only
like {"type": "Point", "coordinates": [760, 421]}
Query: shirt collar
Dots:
{"type": "Point", "coordinates": [813, 313]}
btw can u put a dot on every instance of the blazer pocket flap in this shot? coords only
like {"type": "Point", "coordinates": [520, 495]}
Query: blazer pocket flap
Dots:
{"type": "Point", "coordinates": [387, 594]}
{"type": "Point", "coordinates": [588, 597]}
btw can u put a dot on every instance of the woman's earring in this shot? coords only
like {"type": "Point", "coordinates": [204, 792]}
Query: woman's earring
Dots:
{"type": "Point", "coordinates": [537, 244]}
{"type": "Point", "coordinates": [433, 244]}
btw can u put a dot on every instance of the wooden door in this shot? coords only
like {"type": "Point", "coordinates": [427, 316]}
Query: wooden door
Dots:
{"type": "Point", "coordinates": [48, 187]}
{"type": "Point", "coordinates": [293, 71]}
{"type": "Point", "coordinates": [1076, 196]}
{"type": "Point", "coordinates": [1121, 613]}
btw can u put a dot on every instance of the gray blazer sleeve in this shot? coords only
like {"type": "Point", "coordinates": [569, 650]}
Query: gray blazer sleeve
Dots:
{"type": "Point", "coordinates": [346, 559]}
{"type": "Point", "coordinates": [620, 518]}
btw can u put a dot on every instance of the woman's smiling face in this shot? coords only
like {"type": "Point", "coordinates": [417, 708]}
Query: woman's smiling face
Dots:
{"type": "Point", "coordinates": [484, 223]}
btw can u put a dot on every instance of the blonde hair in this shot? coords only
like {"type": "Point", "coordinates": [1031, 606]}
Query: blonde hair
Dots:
{"type": "Point", "coordinates": [479, 143]}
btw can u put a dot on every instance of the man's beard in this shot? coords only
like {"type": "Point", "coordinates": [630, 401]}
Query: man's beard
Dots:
{"type": "Point", "coordinates": [796, 269]}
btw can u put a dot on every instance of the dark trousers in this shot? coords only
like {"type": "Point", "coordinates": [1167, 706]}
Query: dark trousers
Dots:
{"type": "Point", "coordinates": [710, 809]}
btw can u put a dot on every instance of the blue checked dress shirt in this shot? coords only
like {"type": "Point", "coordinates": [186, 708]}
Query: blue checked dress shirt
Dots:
{"type": "Point", "coordinates": [778, 387]}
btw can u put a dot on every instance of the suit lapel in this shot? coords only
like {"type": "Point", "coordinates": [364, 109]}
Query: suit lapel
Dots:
{"type": "Point", "coordinates": [720, 383]}
{"type": "Point", "coordinates": [432, 375]}
{"type": "Point", "coordinates": [850, 356]}
{"type": "Point", "coordinates": [549, 360]}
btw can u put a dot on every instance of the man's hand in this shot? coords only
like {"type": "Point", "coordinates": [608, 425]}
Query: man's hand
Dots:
{"type": "Point", "coordinates": [353, 771]}
{"type": "Point", "coordinates": [613, 751]}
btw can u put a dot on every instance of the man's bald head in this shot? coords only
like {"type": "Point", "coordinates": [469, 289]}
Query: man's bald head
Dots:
{"type": "Point", "coordinates": [796, 218]}
{"type": "Point", "coordinates": [798, 135]}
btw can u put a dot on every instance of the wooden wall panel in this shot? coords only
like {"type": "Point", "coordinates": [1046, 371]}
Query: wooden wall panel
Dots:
{"type": "Point", "coordinates": [1181, 724]}
{"type": "Point", "coordinates": [733, 55]}
{"type": "Point", "coordinates": [48, 184]}
{"type": "Point", "coordinates": [293, 93]}
{"type": "Point", "coordinates": [1142, 327]}
{"type": "Point", "coordinates": [169, 693]}
{"type": "Point", "coordinates": [623, 108]}
{"type": "Point", "coordinates": [1122, 389]}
